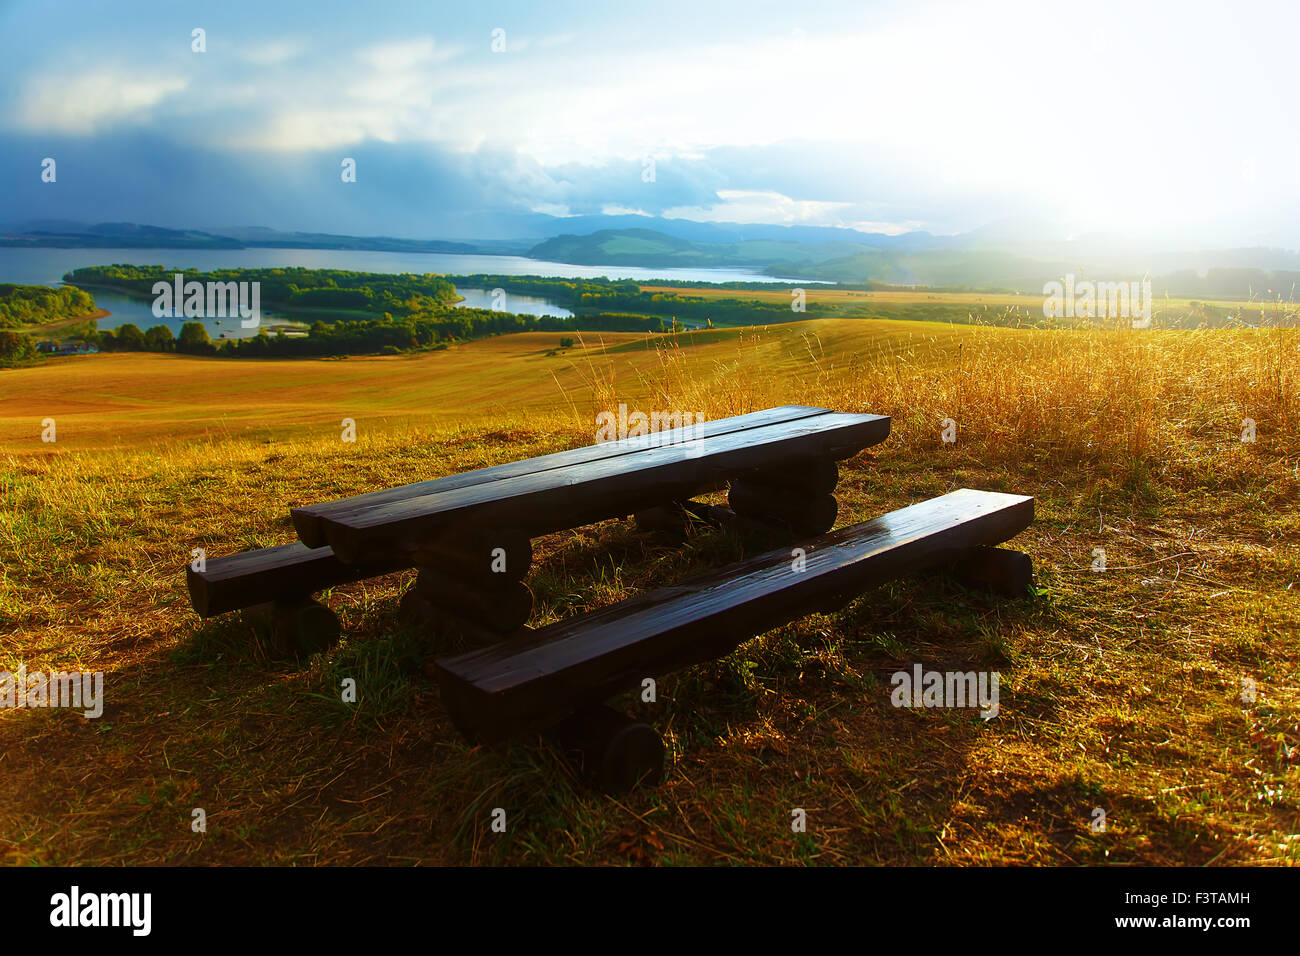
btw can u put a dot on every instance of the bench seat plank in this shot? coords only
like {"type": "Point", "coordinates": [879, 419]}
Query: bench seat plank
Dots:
{"type": "Point", "coordinates": [568, 497]}
{"type": "Point", "coordinates": [539, 678]}
{"type": "Point", "coordinates": [284, 572]}
{"type": "Point", "coordinates": [307, 520]}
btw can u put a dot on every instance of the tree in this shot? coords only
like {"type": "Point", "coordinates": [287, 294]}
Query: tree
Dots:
{"type": "Point", "coordinates": [159, 338]}
{"type": "Point", "coordinates": [130, 338]}
{"type": "Point", "coordinates": [194, 339]}
{"type": "Point", "coordinates": [14, 346]}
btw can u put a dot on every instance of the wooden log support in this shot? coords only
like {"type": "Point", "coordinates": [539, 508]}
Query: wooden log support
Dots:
{"type": "Point", "coordinates": [754, 532]}
{"type": "Point", "coordinates": [805, 515]}
{"type": "Point", "coordinates": [672, 520]}
{"type": "Point", "coordinates": [611, 750]}
{"type": "Point", "coordinates": [441, 625]}
{"type": "Point", "coordinates": [415, 610]}
{"type": "Point", "coordinates": [478, 555]}
{"type": "Point", "coordinates": [1000, 570]}
{"type": "Point", "coordinates": [814, 476]}
{"type": "Point", "coordinates": [501, 607]}
{"type": "Point", "coordinates": [295, 628]}
{"type": "Point", "coordinates": [719, 516]}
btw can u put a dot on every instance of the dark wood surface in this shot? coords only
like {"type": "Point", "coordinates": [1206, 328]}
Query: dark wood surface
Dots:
{"type": "Point", "coordinates": [306, 520]}
{"type": "Point", "coordinates": [803, 514]}
{"type": "Point", "coordinates": [500, 605]}
{"type": "Point", "coordinates": [560, 498]}
{"type": "Point", "coordinates": [285, 572]}
{"type": "Point", "coordinates": [1000, 570]}
{"type": "Point", "coordinates": [612, 750]}
{"type": "Point", "coordinates": [469, 514]}
{"type": "Point", "coordinates": [814, 477]}
{"type": "Point", "coordinates": [537, 679]}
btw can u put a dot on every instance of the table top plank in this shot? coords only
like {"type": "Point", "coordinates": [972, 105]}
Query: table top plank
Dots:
{"type": "Point", "coordinates": [560, 498]}
{"type": "Point", "coordinates": [307, 519]}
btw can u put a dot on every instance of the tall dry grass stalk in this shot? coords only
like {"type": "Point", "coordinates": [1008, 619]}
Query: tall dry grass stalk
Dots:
{"type": "Point", "coordinates": [1125, 397]}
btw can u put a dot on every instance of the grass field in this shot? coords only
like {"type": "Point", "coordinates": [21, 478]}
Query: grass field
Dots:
{"type": "Point", "coordinates": [1121, 690]}
{"type": "Point", "coordinates": [835, 296]}
{"type": "Point", "coordinates": [981, 308]}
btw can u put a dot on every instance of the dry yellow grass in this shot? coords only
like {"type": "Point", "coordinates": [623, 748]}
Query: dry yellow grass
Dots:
{"type": "Point", "coordinates": [1121, 690]}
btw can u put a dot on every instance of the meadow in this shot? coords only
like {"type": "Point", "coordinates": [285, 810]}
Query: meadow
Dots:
{"type": "Point", "coordinates": [1121, 690]}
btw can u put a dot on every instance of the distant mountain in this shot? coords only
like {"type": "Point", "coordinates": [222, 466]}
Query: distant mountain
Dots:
{"type": "Point", "coordinates": [1009, 255]}
{"type": "Point", "coordinates": [261, 237]}
{"type": "Point", "coordinates": [541, 227]}
{"type": "Point", "coordinates": [655, 249]}
{"type": "Point", "coordinates": [125, 235]}
{"type": "Point", "coordinates": [66, 234]}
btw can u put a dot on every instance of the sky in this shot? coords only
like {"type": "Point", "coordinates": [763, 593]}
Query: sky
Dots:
{"type": "Point", "coordinates": [1167, 121]}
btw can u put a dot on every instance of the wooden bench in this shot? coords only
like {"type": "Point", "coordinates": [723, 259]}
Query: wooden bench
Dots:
{"type": "Point", "coordinates": [544, 677]}
{"type": "Point", "coordinates": [470, 533]}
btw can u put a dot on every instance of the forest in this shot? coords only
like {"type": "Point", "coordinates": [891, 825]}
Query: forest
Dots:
{"type": "Point", "coordinates": [27, 305]}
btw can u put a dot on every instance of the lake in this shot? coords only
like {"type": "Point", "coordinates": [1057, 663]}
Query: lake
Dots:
{"type": "Point", "coordinates": [47, 266]}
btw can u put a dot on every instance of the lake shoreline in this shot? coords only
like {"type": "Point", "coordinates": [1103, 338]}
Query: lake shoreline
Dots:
{"type": "Point", "coordinates": [48, 266]}
{"type": "Point", "coordinates": [59, 325]}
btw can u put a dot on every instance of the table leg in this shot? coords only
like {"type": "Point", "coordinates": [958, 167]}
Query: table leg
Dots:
{"type": "Point", "coordinates": [296, 627]}
{"type": "Point", "coordinates": [615, 752]}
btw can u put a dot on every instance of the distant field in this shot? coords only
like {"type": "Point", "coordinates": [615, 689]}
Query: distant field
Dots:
{"type": "Point", "coordinates": [781, 293]}
{"type": "Point", "coordinates": [1121, 690]}
{"type": "Point", "coordinates": [125, 399]}
{"type": "Point", "coordinates": [737, 307]}
{"type": "Point", "coordinates": [815, 293]}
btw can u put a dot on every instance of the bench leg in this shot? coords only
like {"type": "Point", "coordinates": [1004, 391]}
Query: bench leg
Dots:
{"type": "Point", "coordinates": [498, 606]}
{"type": "Point", "coordinates": [1000, 570]}
{"type": "Point", "coordinates": [803, 514]}
{"type": "Point", "coordinates": [417, 611]}
{"type": "Point", "coordinates": [297, 627]}
{"type": "Point", "coordinates": [671, 519]}
{"type": "Point", "coordinates": [814, 476]}
{"type": "Point", "coordinates": [612, 750]}
{"type": "Point", "coordinates": [478, 555]}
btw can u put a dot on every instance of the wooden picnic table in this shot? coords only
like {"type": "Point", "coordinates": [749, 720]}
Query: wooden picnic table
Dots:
{"type": "Point", "coordinates": [472, 531]}
{"type": "Point", "coordinates": [570, 489]}
{"type": "Point", "coordinates": [470, 537]}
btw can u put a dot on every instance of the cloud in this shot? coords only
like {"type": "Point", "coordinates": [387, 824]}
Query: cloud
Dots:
{"type": "Point", "coordinates": [614, 209]}
{"type": "Point", "coordinates": [766, 206]}
{"type": "Point", "coordinates": [401, 56]}
{"type": "Point", "coordinates": [87, 102]}
{"type": "Point", "coordinates": [556, 39]}
{"type": "Point", "coordinates": [391, 92]}
{"type": "Point", "coordinates": [884, 117]}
